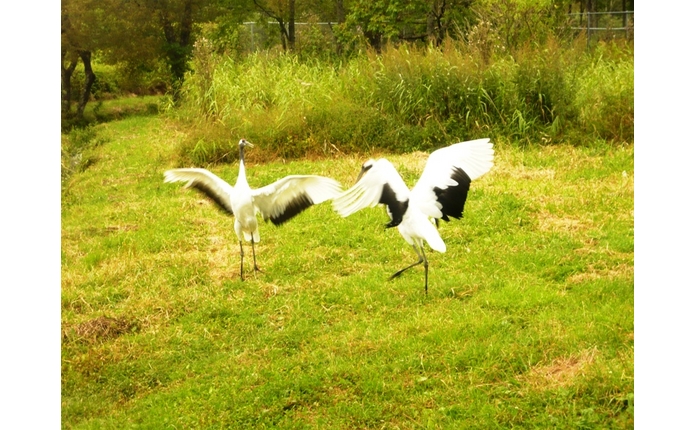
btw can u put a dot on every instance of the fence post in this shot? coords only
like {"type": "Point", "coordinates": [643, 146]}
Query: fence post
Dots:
{"type": "Point", "coordinates": [588, 24]}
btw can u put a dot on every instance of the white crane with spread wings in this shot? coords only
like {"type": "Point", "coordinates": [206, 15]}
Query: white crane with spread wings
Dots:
{"type": "Point", "coordinates": [277, 202]}
{"type": "Point", "coordinates": [440, 193]}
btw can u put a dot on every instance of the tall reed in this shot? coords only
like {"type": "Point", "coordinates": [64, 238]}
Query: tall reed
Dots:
{"type": "Point", "coordinates": [408, 99]}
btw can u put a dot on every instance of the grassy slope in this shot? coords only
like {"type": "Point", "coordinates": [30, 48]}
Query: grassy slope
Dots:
{"type": "Point", "coordinates": [529, 320]}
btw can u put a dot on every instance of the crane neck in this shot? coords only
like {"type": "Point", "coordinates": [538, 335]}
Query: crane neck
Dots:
{"type": "Point", "coordinates": [242, 170]}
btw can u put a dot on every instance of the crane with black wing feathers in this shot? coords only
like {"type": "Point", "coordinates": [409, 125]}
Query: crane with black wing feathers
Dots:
{"type": "Point", "coordinates": [278, 202]}
{"type": "Point", "coordinates": [440, 193]}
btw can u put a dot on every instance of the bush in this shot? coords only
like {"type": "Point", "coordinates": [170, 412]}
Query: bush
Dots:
{"type": "Point", "coordinates": [605, 97]}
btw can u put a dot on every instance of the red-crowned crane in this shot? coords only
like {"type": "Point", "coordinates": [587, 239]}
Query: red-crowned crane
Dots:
{"type": "Point", "coordinates": [278, 202]}
{"type": "Point", "coordinates": [440, 193]}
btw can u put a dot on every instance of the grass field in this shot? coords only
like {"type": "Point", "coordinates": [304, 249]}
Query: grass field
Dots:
{"type": "Point", "coordinates": [528, 321]}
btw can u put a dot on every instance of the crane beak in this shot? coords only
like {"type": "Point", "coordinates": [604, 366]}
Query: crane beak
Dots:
{"type": "Point", "coordinates": [249, 144]}
{"type": "Point", "coordinates": [359, 176]}
{"type": "Point", "coordinates": [362, 172]}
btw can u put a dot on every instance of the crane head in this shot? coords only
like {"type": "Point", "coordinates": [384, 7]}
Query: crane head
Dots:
{"type": "Point", "coordinates": [366, 166]}
{"type": "Point", "coordinates": [244, 143]}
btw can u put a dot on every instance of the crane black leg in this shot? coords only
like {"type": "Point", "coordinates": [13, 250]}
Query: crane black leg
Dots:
{"type": "Point", "coordinates": [241, 266]}
{"type": "Point", "coordinates": [427, 265]}
{"type": "Point", "coordinates": [419, 261]}
{"type": "Point", "coordinates": [255, 266]}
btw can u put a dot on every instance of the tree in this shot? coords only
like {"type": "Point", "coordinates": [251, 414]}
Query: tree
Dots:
{"type": "Point", "coordinates": [66, 70]}
{"type": "Point", "coordinates": [146, 31]}
{"type": "Point", "coordinates": [78, 24]}
{"type": "Point", "coordinates": [284, 12]}
{"type": "Point", "coordinates": [382, 20]}
{"type": "Point", "coordinates": [138, 33]}
{"type": "Point", "coordinates": [443, 14]}
{"type": "Point", "coordinates": [176, 20]}
{"type": "Point", "coordinates": [376, 20]}
{"type": "Point", "coordinates": [518, 22]}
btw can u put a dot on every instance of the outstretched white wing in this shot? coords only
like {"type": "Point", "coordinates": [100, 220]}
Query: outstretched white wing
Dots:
{"type": "Point", "coordinates": [212, 185]}
{"type": "Point", "coordinates": [287, 197]}
{"type": "Point", "coordinates": [378, 182]}
{"type": "Point", "coordinates": [443, 187]}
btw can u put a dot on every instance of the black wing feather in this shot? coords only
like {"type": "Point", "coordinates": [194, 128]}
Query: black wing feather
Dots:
{"type": "Point", "coordinates": [296, 206]}
{"type": "Point", "coordinates": [222, 203]}
{"type": "Point", "coordinates": [395, 207]}
{"type": "Point", "coordinates": [453, 198]}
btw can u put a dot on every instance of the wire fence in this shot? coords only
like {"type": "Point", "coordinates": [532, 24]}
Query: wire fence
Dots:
{"type": "Point", "coordinates": [258, 33]}
{"type": "Point", "coordinates": [595, 25]}
{"type": "Point", "coordinates": [603, 24]}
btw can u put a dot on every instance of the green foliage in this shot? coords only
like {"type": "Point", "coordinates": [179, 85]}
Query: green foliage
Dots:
{"type": "Point", "coordinates": [142, 79]}
{"type": "Point", "coordinates": [106, 84]}
{"type": "Point", "coordinates": [380, 20]}
{"type": "Point", "coordinates": [518, 22]}
{"type": "Point", "coordinates": [114, 81]}
{"type": "Point", "coordinates": [151, 43]}
{"type": "Point", "coordinates": [315, 42]}
{"type": "Point", "coordinates": [379, 23]}
{"type": "Point", "coordinates": [225, 38]}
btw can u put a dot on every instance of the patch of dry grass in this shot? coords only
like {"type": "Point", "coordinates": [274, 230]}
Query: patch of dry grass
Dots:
{"type": "Point", "coordinates": [620, 271]}
{"type": "Point", "coordinates": [99, 329]}
{"type": "Point", "coordinates": [561, 372]}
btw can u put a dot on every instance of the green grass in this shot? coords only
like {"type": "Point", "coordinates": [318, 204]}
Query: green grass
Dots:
{"type": "Point", "coordinates": [528, 322]}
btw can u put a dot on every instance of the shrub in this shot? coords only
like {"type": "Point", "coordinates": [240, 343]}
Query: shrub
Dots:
{"type": "Point", "coordinates": [605, 97]}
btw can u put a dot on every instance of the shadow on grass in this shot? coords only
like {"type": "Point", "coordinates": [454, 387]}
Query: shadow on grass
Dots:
{"type": "Point", "coordinates": [102, 111]}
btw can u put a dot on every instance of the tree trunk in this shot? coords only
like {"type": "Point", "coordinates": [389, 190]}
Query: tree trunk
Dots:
{"type": "Point", "coordinates": [624, 14]}
{"type": "Point", "coordinates": [435, 28]}
{"type": "Point", "coordinates": [89, 78]}
{"type": "Point", "coordinates": [340, 18]}
{"type": "Point", "coordinates": [178, 46]}
{"type": "Point", "coordinates": [589, 22]}
{"type": "Point", "coordinates": [374, 39]}
{"type": "Point", "coordinates": [66, 87]}
{"type": "Point", "coordinates": [287, 36]}
{"type": "Point", "coordinates": [284, 36]}
{"type": "Point", "coordinates": [291, 36]}
{"type": "Point", "coordinates": [339, 11]}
